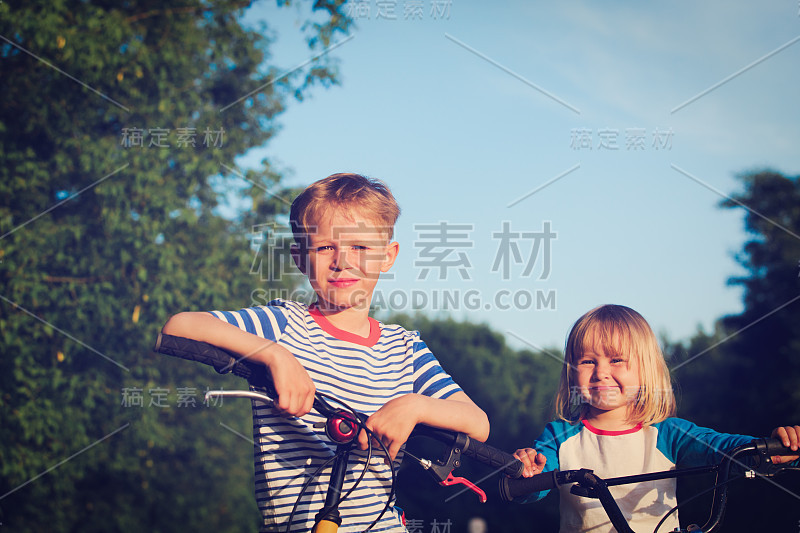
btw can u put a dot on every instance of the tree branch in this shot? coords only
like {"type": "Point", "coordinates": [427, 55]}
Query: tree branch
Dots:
{"type": "Point", "coordinates": [178, 10]}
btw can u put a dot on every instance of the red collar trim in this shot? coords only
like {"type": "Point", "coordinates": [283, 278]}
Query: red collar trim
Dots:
{"type": "Point", "coordinates": [342, 335]}
{"type": "Point", "coordinates": [597, 431]}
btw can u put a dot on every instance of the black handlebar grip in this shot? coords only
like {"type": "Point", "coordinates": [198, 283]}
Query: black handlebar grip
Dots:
{"type": "Point", "coordinates": [774, 447]}
{"type": "Point", "coordinates": [194, 350]}
{"type": "Point", "coordinates": [514, 488]}
{"type": "Point", "coordinates": [222, 361]}
{"type": "Point", "coordinates": [489, 455]}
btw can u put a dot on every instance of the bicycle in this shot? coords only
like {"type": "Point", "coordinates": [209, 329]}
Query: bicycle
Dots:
{"type": "Point", "coordinates": [587, 484]}
{"type": "Point", "coordinates": [342, 426]}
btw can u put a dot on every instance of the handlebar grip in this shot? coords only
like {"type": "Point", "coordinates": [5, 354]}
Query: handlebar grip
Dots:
{"type": "Point", "coordinates": [774, 446]}
{"type": "Point", "coordinates": [489, 455]}
{"type": "Point", "coordinates": [193, 350]}
{"type": "Point", "coordinates": [208, 354]}
{"type": "Point", "coordinates": [514, 488]}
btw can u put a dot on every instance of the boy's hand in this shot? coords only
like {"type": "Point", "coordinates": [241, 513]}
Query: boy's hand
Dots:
{"type": "Point", "coordinates": [534, 462]}
{"type": "Point", "coordinates": [292, 383]}
{"type": "Point", "coordinates": [790, 436]}
{"type": "Point", "coordinates": [392, 423]}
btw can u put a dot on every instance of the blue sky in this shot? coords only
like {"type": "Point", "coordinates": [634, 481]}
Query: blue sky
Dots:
{"type": "Point", "coordinates": [594, 117]}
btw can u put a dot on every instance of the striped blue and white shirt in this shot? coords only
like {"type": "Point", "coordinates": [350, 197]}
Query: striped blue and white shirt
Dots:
{"type": "Point", "coordinates": [364, 372]}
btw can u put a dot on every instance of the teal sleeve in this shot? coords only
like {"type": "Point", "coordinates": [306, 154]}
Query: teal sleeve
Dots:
{"type": "Point", "coordinates": [689, 445]}
{"type": "Point", "coordinates": [548, 444]}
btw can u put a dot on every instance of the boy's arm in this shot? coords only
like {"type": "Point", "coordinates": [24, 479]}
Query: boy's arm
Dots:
{"type": "Point", "coordinates": [292, 383]}
{"type": "Point", "coordinates": [394, 422]}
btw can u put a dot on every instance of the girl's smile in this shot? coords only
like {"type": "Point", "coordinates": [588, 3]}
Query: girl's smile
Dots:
{"type": "Point", "coordinates": [608, 382]}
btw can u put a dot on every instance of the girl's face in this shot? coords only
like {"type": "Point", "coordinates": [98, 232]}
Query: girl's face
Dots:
{"type": "Point", "coordinates": [608, 379]}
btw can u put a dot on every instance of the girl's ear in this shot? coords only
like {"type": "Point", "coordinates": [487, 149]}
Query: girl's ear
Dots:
{"type": "Point", "coordinates": [299, 258]}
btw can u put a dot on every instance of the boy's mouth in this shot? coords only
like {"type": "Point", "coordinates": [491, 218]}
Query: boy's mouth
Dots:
{"type": "Point", "coordinates": [343, 282]}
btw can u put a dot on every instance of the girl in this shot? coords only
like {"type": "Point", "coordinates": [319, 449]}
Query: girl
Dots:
{"type": "Point", "coordinates": [614, 407]}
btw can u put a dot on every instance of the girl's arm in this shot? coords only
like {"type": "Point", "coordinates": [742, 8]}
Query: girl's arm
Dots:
{"type": "Point", "coordinates": [292, 383]}
{"type": "Point", "coordinates": [543, 455]}
{"type": "Point", "coordinates": [534, 461]}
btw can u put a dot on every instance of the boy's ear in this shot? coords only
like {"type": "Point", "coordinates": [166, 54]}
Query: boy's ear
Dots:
{"type": "Point", "coordinates": [391, 255]}
{"type": "Point", "coordinates": [299, 257]}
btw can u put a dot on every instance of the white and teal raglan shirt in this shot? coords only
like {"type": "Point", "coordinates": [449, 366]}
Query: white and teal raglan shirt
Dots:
{"type": "Point", "coordinates": [364, 372]}
{"type": "Point", "coordinates": [662, 446]}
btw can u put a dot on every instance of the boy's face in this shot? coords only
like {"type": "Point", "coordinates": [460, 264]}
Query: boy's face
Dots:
{"type": "Point", "coordinates": [345, 256]}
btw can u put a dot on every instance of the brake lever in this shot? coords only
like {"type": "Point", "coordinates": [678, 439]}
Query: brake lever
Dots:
{"type": "Point", "coordinates": [452, 480]}
{"type": "Point", "coordinates": [442, 470]}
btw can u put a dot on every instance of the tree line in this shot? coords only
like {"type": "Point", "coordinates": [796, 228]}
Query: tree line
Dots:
{"type": "Point", "coordinates": [104, 235]}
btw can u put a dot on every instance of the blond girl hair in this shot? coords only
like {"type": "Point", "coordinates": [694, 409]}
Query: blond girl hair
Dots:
{"type": "Point", "coordinates": [618, 330]}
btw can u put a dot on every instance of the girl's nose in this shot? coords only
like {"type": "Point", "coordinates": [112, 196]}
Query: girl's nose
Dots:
{"type": "Point", "coordinates": [601, 370]}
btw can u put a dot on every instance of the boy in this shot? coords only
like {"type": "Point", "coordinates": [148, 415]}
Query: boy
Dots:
{"type": "Point", "coordinates": [343, 229]}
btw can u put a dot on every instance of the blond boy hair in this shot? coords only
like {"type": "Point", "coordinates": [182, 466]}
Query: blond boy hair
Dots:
{"type": "Point", "coordinates": [634, 338]}
{"type": "Point", "coordinates": [369, 196]}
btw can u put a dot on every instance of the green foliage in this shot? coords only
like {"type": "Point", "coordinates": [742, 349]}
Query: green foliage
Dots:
{"type": "Point", "coordinates": [742, 377]}
{"type": "Point", "coordinates": [102, 238]}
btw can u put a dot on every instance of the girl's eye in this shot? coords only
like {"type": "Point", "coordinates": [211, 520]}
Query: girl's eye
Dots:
{"type": "Point", "coordinates": [586, 362]}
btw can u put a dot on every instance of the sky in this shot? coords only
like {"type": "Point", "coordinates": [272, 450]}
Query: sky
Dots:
{"type": "Point", "coordinates": [550, 157]}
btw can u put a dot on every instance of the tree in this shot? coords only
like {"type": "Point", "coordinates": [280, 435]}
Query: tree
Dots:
{"type": "Point", "coordinates": [742, 377]}
{"type": "Point", "coordinates": [119, 127]}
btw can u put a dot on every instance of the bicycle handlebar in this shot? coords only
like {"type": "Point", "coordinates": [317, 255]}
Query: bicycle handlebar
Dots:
{"type": "Point", "coordinates": [208, 354]}
{"type": "Point", "coordinates": [593, 486]}
{"type": "Point", "coordinates": [511, 489]}
{"type": "Point", "coordinates": [224, 362]}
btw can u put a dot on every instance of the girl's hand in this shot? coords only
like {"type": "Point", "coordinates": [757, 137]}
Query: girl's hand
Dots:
{"type": "Point", "coordinates": [790, 436]}
{"type": "Point", "coordinates": [392, 423]}
{"type": "Point", "coordinates": [534, 462]}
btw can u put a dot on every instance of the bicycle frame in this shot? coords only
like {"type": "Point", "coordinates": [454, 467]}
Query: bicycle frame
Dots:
{"type": "Point", "coordinates": [342, 426]}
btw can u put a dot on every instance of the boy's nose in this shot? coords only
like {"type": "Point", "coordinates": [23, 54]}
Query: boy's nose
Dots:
{"type": "Point", "coordinates": [339, 260]}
